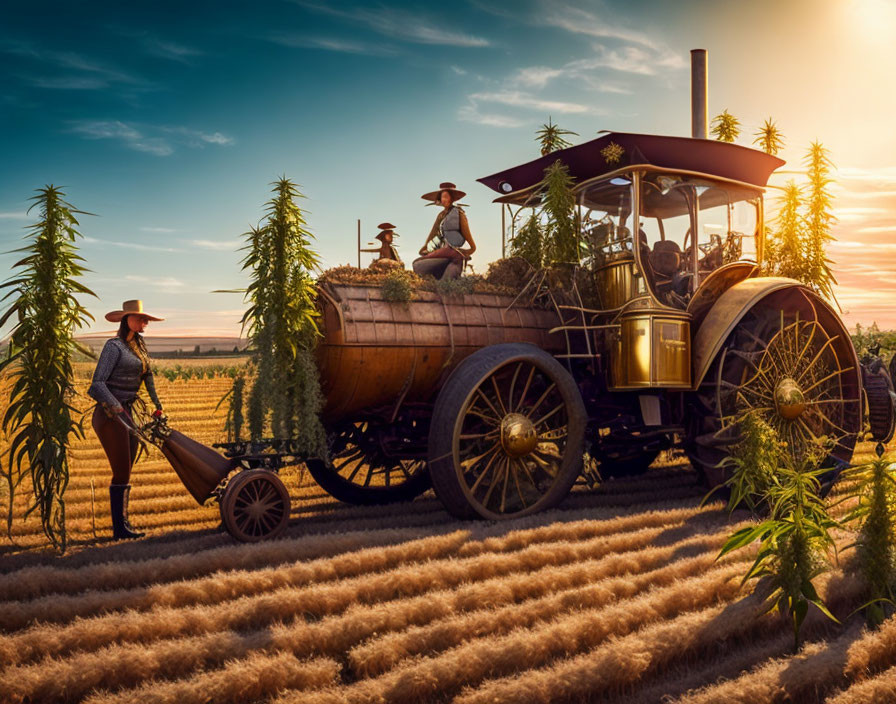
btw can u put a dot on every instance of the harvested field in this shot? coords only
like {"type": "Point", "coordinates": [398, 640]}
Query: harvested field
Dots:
{"type": "Point", "coordinates": [615, 596]}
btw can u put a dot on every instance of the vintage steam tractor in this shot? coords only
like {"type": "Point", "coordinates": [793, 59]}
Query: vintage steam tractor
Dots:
{"type": "Point", "coordinates": [662, 334]}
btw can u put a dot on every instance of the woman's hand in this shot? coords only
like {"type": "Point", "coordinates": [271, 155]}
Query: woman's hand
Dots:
{"type": "Point", "coordinates": [156, 413]}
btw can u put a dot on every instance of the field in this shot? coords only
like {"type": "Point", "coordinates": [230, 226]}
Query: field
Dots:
{"type": "Point", "coordinates": [614, 596]}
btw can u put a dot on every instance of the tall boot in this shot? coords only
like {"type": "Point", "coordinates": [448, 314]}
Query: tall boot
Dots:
{"type": "Point", "coordinates": [127, 523]}
{"type": "Point", "coordinates": [120, 527]}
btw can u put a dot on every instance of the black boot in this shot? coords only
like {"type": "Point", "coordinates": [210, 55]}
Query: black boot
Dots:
{"type": "Point", "coordinates": [118, 501]}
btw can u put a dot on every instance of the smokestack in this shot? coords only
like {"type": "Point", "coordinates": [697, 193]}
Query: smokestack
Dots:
{"type": "Point", "coordinates": [698, 93]}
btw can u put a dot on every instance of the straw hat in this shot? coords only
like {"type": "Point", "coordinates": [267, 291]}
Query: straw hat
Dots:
{"type": "Point", "coordinates": [444, 186]}
{"type": "Point", "coordinates": [387, 228]}
{"type": "Point", "coordinates": [129, 308]}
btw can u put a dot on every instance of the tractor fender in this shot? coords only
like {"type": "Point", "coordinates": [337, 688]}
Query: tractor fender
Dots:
{"type": "Point", "coordinates": [734, 304]}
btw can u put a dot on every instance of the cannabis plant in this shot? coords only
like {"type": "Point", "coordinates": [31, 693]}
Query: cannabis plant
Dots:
{"type": "Point", "coordinates": [819, 218]}
{"type": "Point", "coordinates": [233, 423]}
{"type": "Point", "coordinates": [559, 203]}
{"type": "Point", "coordinates": [528, 242]}
{"type": "Point", "coordinates": [725, 127]}
{"type": "Point", "coordinates": [39, 418]}
{"type": "Point", "coordinates": [282, 325]}
{"type": "Point", "coordinates": [769, 138]}
{"type": "Point", "coordinates": [550, 137]}
{"type": "Point", "coordinates": [875, 512]}
{"type": "Point", "coordinates": [795, 541]}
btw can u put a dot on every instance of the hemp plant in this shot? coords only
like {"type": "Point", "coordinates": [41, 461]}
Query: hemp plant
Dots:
{"type": "Point", "coordinates": [282, 325]}
{"type": "Point", "coordinates": [550, 137]}
{"type": "Point", "coordinates": [795, 540]}
{"type": "Point", "coordinates": [39, 418]}
{"type": "Point", "coordinates": [725, 127]}
{"type": "Point", "coordinates": [875, 512]}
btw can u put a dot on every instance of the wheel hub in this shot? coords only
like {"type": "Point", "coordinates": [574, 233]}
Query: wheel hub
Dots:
{"type": "Point", "coordinates": [789, 399]}
{"type": "Point", "coordinates": [518, 436]}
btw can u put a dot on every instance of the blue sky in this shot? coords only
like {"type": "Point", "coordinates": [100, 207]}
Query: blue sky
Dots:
{"type": "Point", "coordinates": [170, 120]}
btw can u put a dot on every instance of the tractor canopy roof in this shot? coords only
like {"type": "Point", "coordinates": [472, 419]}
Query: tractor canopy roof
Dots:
{"type": "Point", "coordinates": [617, 150]}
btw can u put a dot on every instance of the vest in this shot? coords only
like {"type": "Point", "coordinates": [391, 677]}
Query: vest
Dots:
{"type": "Point", "coordinates": [449, 228]}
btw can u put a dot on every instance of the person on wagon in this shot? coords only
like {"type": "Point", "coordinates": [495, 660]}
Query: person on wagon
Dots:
{"type": "Point", "coordinates": [386, 250]}
{"type": "Point", "coordinates": [443, 254]}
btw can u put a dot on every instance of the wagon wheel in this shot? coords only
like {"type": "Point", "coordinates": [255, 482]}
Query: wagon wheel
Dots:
{"type": "Point", "coordinates": [362, 471]}
{"type": "Point", "coordinates": [507, 434]}
{"type": "Point", "coordinates": [789, 362]}
{"type": "Point", "coordinates": [255, 505]}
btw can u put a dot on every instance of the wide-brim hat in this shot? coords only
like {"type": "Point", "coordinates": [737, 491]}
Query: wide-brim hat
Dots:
{"type": "Point", "coordinates": [129, 308]}
{"type": "Point", "coordinates": [382, 235]}
{"type": "Point", "coordinates": [456, 194]}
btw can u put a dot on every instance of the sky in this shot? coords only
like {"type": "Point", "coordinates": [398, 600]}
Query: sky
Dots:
{"type": "Point", "coordinates": [170, 120]}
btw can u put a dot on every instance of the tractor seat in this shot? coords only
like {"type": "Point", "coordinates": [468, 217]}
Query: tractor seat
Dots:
{"type": "Point", "coordinates": [665, 258]}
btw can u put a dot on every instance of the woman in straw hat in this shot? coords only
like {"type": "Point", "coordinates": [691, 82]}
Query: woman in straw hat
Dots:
{"type": "Point", "coordinates": [445, 260]}
{"type": "Point", "coordinates": [122, 366]}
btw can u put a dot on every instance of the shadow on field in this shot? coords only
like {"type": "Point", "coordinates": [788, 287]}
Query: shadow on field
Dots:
{"type": "Point", "coordinates": [316, 513]}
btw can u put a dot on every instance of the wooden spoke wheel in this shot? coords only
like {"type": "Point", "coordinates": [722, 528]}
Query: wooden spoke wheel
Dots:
{"type": "Point", "coordinates": [790, 362]}
{"type": "Point", "coordinates": [507, 434]}
{"type": "Point", "coordinates": [365, 467]}
{"type": "Point", "coordinates": [255, 505]}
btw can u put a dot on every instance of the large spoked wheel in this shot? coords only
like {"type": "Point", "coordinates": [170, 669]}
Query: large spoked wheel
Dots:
{"type": "Point", "coordinates": [790, 362]}
{"type": "Point", "coordinates": [364, 468]}
{"type": "Point", "coordinates": [255, 506]}
{"type": "Point", "coordinates": [507, 434]}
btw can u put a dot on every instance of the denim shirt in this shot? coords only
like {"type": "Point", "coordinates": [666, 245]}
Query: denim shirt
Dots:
{"type": "Point", "coordinates": [118, 374]}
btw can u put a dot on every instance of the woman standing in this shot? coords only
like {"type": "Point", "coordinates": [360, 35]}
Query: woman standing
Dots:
{"type": "Point", "coordinates": [122, 366]}
{"type": "Point", "coordinates": [449, 232]}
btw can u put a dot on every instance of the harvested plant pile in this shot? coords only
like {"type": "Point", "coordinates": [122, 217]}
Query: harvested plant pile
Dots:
{"type": "Point", "coordinates": [616, 596]}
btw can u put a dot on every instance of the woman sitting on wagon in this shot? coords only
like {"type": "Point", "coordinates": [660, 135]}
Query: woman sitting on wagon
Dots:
{"type": "Point", "coordinates": [445, 258]}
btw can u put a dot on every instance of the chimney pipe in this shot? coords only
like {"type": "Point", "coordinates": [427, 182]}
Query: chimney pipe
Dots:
{"type": "Point", "coordinates": [699, 72]}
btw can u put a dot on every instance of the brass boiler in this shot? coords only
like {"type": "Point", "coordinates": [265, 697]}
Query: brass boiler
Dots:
{"type": "Point", "coordinates": [377, 354]}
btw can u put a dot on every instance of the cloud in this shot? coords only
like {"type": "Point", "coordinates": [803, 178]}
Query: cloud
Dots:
{"type": "Point", "coordinates": [471, 113]}
{"type": "Point", "coordinates": [155, 140]}
{"type": "Point", "coordinates": [399, 24]}
{"type": "Point", "coordinates": [170, 50]}
{"type": "Point", "coordinates": [347, 46]}
{"type": "Point", "coordinates": [83, 72]}
{"type": "Point", "coordinates": [217, 244]}
{"type": "Point", "coordinates": [10, 215]}
{"type": "Point", "coordinates": [130, 245]}
{"type": "Point", "coordinates": [579, 21]}
{"type": "Point", "coordinates": [527, 100]}
{"type": "Point", "coordinates": [159, 230]}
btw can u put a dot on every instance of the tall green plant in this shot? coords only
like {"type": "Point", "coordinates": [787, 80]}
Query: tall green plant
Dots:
{"type": "Point", "coordinates": [819, 218]}
{"type": "Point", "coordinates": [875, 512]}
{"type": "Point", "coordinates": [550, 137]}
{"type": "Point", "coordinates": [725, 127]}
{"type": "Point", "coordinates": [529, 242]}
{"type": "Point", "coordinates": [769, 138]}
{"type": "Point", "coordinates": [795, 541]}
{"type": "Point", "coordinates": [753, 461]}
{"type": "Point", "coordinates": [233, 424]}
{"type": "Point", "coordinates": [39, 417]}
{"type": "Point", "coordinates": [786, 252]}
{"type": "Point", "coordinates": [282, 325]}
{"type": "Point", "coordinates": [559, 204]}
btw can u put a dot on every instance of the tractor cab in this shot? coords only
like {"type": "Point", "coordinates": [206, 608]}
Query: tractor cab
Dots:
{"type": "Point", "coordinates": [657, 218]}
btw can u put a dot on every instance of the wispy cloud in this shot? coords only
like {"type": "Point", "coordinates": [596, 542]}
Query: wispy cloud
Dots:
{"type": "Point", "coordinates": [579, 21]}
{"type": "Point", "coordinates": [158, 230]}
{"type": "Point", "coordinates": [129, 245]}
{"type": "Point", "coordinates": [170, 50]}
{"type": "Point", "coordinates": [346, 46]}
{"type": "Point", "coordinates": [527, 100]}
{"type": "Point", "coordinates": [155, 140]}
{"type": "Point", "coordinates": [217, 244]}
{"type": "Point", "coordinates": [82, 72]}
{"type": "Point", "coordinates": [471, 113]}
{"type": "Point", "coordinates": [399, 24]}
{"type": "Point", "coordinates": [12, 215]}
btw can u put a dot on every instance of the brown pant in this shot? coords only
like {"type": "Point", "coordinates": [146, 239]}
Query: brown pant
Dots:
{"type": "Point", "coordinates": [120, 446]}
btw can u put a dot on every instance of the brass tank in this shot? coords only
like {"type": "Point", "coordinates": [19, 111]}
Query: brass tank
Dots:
{"type": "Point", "coordinates": [377, 353]}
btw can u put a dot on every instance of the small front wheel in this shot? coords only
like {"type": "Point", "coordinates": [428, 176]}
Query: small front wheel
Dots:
{"type": "Point", "coordinates": [255, 505]}
{"type": "Point", "coordinates": [507, 434]}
